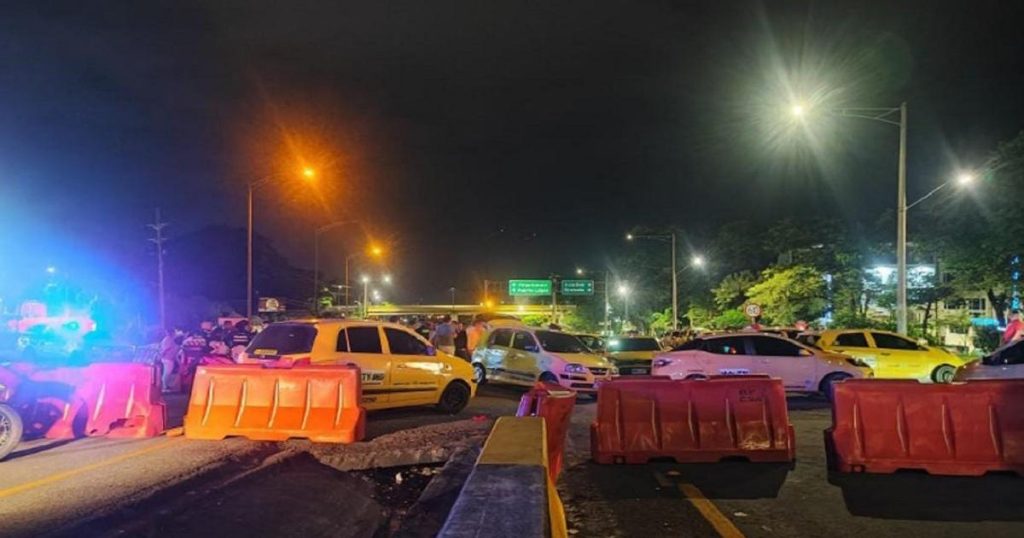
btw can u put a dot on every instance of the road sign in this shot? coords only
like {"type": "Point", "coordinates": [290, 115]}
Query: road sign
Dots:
{"type": "Point", "coordinates": [526, 288]}
{"type": "Point", "coordinates": [577, 287]}
{"type": "Point", "coordinates": [752, 310]}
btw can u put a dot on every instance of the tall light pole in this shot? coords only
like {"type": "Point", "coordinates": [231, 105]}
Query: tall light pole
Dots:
{"type": "Point", "coordinates": [309, 174]}
{"type": "Point", "coordinates": [452, 290]}
{"type": "Point", "coordinates": [671, 237]}
{"type": "Point", "coordinates": [374, 251]}
{"type": "Point", "coordinates": [624, 292]}
{"type": "Point", "coordinates": [366, 296]}
{"type": "Point", "coordinates": [316, 260]}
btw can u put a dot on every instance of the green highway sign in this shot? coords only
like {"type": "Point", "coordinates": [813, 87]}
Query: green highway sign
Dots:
{"type": "Point", "coordinates": [525, 288]}
{"type": "Point", "coordinates": [577, 287]}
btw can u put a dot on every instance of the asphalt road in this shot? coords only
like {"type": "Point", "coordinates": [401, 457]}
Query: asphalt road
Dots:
{"type": "Point", "coordinates": [771, 500]}
{"type": "Point", "coordinates": [50, 488]}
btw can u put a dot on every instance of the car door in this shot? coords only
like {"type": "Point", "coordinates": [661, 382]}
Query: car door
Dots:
{"type": "Point", "coordinates": [856, 344]}
{"type": "Point", "coordinates": [362, 345]}
{"type": "Point", "coordinates": [498, 346]}
{"type": "Point", "coordinates": [905, 358]}
{"type": "Point", "coordinates": [521, 361]}
{"type": "Point", "coordinates": [415, 373]}
{"type": "Point", "coordinates": [726, 356]}
{"type": "Point", "coordinates": [785, 360]}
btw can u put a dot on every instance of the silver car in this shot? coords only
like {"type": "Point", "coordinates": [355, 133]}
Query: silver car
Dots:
{"type": "Point", "coordinates": [1006, 362]}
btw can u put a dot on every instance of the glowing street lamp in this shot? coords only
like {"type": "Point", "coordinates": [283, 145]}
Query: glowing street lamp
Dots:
{"type": "Point", "coordinates": [374, 251]}
{"type": "Point", "coordinates": [624, 291]}
{"type": "Point", "coordinates": [309, 173]}
{"type": "Point", "coordinates": [579, 271]}
{"type": "Point", "coordinates": [51, 270]}
{"type": "Point", "coordinates": [798, 110]}
{"type": "Point", "coordinates": [697, 261]}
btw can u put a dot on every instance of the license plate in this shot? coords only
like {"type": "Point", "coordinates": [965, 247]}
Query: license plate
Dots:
{"type": "Point", "coordinates": [638, 370]}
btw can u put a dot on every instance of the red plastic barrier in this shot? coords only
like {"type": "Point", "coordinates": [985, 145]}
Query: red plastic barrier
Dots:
{"type": "Point", "coordinates": [881, 426]}
{"type": "Point", "coordinates": [320, 403]}
{"type": "Point", "coordinates": [116, 399]}
{"type": "Point", "coordinates": [639, 419]}
{"type": "Point", "coordinates": [555, 404]}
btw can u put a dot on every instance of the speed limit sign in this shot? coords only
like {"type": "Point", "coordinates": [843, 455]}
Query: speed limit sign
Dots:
{"type": "Point", "coordinates": [752, 310]}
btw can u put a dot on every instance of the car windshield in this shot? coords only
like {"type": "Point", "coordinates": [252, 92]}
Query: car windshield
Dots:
{"type": "Point", "coordinates": [283, 339]}
{"type": "Point", "coordinates": [592, 342]}
{"type": "Point", "coordinates": [560, 342]}
{"type": "Point", "coordinates": [633, 344]}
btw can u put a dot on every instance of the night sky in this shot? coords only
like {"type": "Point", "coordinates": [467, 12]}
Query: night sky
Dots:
{"type": "Point", "coordinates": [478, 139]}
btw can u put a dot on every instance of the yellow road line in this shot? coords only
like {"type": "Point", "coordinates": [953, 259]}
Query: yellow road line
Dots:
{"type": "Point", "coordinates": [20, 488]}
{"type": "Point", "coordinates": [721, 524]}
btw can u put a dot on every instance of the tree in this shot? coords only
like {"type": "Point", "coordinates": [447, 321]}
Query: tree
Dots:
{"type": "Point", "coordinates": [732, 290]}
{"type": "Point", "coordinates": [981, 235]}
{"type": "Point", "coordinates": [789, 294]}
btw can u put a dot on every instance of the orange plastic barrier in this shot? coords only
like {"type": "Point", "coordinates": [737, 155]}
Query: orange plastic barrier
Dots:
{"type": "Point", "coordinates": [639, 419]}
{"type": "Point", "coordinates": [555, 405]}
{"type": "Point", "coordinates": [123, 400]}
{"type": "Point", "coordinates": [320, 403]}
{"type": "Point", "coordinates": [881, 426]}
{"type": "Point", "coordinates": [116, 399]}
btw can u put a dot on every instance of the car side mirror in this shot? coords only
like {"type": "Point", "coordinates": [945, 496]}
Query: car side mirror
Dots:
{"type": "Point", "coordinates": [431, 351]}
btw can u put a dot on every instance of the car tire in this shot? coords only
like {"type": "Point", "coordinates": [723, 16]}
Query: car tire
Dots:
{"type": "Point", "coordinates": [827, 386]}
{"type": "Point", "coordinates": [943, 373]}
{"type": "Point", "coordinates": [479, 374]}
{"type": "Point", "coordinates": [455, 397]}
{"type": "Point", "coordinates": [548, 377]}
{"type": "Point", "coordinates": [10, 430]}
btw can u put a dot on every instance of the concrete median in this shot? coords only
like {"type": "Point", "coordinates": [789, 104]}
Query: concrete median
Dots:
{"type": "Point", "coordinates": [509, 494]}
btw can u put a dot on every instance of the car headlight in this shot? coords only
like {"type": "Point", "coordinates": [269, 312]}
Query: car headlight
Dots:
{"type": "Point", "coordinates": [574, 368]}
{"type": "Point", "coordinates": [858, 363]}
{"type": "Point", "coordinates": [658, 363]}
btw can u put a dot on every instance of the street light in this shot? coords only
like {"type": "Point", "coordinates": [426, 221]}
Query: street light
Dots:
{"type": "Point", "coordinates": [579, 271]}
{"type": "Point", "coordinates": [675, 277]}
{"type": "Point", "coordinates": [316, 258]}
{"type": "Point", "coordinates": [373, 250]}
{"type": "Point", "coordinates": [885, 115]}
{"type": "Point", "coordinates": [51, 270]}
{"type": "Point", "coordinates": [624, 293]}
{"type": "Point", "coordinates": [309, 174]}
{"type": "Point", "coordinates": [697, 261]}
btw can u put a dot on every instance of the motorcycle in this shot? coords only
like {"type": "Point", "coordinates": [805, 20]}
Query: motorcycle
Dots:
{"type": "Point", "coordinates": [11, 426]}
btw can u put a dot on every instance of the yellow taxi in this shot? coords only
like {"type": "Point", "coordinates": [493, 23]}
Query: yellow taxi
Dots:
{"type": "Point", "coordinates": [891, 355]}
{"type": "Point", "coordinates": [399, 368]}
{"type": "Point", "coordinates": [633, 354]}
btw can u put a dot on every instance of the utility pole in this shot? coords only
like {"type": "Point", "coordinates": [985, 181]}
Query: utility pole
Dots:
{"type": "Point", "coordinates": [158, 240]}
{"type": "Point", "coordinates": [554, 299]}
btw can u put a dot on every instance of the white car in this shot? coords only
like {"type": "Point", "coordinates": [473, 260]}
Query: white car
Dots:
{"type": "Point", "coordinates": [801, 368]}
{"type": "Point", "coordinates": [1006, 362]}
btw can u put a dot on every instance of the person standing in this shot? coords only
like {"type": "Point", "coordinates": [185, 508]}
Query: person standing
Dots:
{"type": "Point", "coordinates": [461, 341]}
{"type": "Point", "coordinates": [474, 333]}
{"type": "Point", "coordinates": [1014, 329]}
{"type": "Point", "coordinates": [444, 336]}
{"type": "Point", "coordinates": [169, 350]}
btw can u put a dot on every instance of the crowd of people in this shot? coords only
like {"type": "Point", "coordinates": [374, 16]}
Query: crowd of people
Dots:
{"type": "Point", "coordinates": [449, 335]}
{"type": "Point", "coordinates": [181, 352]}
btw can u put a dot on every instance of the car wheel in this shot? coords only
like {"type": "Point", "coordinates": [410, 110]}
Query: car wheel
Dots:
{"type": "Point", "coordinates": [455, 398]}
{"type": "Point", "coordinates": [943, 373]}
{"type": "Point", "coordinates": [479, 373]}
{"type": "Point", "coordinates": [828, 384]}
{"type": "Point", "coordinates": [548, 377]}
{"type": "Point", "coordinates": [10, 430]}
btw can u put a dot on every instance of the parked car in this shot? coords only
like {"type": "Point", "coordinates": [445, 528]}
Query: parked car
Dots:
{"type": "Point", "coordinates": [519, 355]}
{"type": "Point", "coordinates": [891, 355]}
{"type": "Point", "coordinates": [632, 355]}
{"type": "Point", "coordinates": [593, 342]}
{"type": "Point", "coordinates": [801, 368]}
{"type": "Point", "coordinates": [1006, 362]}
{"type": "Point", "coordinates": [399, 368]}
